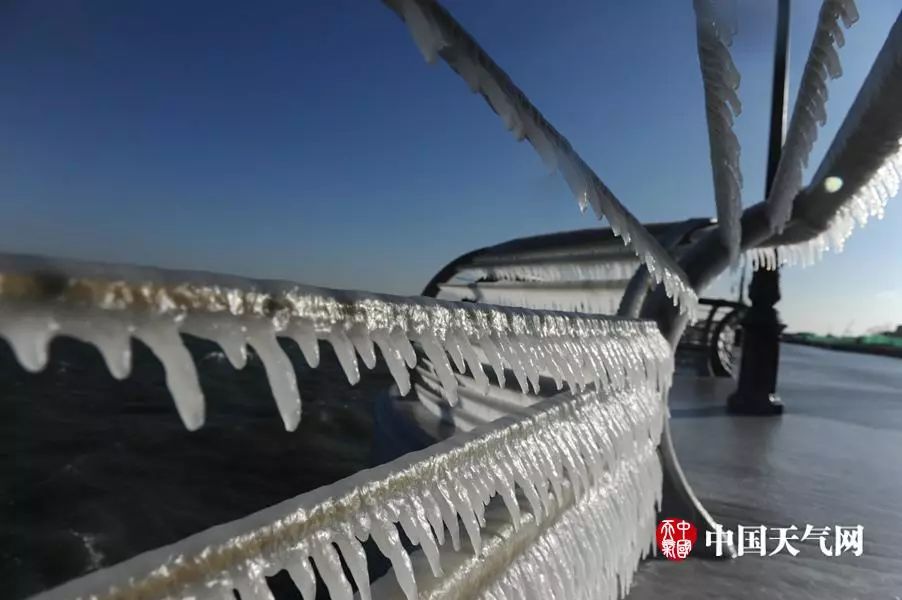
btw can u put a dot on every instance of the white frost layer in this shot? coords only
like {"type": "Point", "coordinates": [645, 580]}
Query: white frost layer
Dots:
{"type": "Point", "coordinates": [594, 547]}
{"type": "Point", "coordinates": [810, 109]}
{"type": "Point", "coordinates": [869, 201]}
{"type": "Point", "coordinates": [582, 549]}
{"type": "Point", "coordinates": [610, 353]}
{"type": "Point", "coordinates": [479, 402]}
{"type": "Point", "coordinates": [721, 80]}
{"type": "Point", "coordinates": [601, 270]}
{"type": "Point", "coordinates": [586, 299]}
{"type": "Point", "coordinates": [595, 444]}
{"type": "Point", "coordinates": [436, 33]}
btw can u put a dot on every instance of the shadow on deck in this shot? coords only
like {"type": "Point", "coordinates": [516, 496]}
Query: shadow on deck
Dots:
{"type": "Point", "coordinates": [833, 458]}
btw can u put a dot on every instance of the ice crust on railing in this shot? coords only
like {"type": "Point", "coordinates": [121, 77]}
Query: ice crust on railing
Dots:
{"type": "Point", "coordinates": [604, 269]}
{"type": "Point", "coordinates": [157, 306]}
{"type": "Point", "coordinates": [436, 33]}
{"type": "Point", "coordinates": [810, 110]}
{"type": "Point", "coordinates": [573, 557]}
{"type": "Point", "coordinates": [582, 548]}
{"type": "Point", "coordinates": [867, 202]}
{"type": "Point", "coordinates": [480, 401]}
{"type": "Point", "coordinates": [721, 81]}
{"type": "Point", "coordinates": [595, 300]}
{"type": "Point", "coordinates": [593, 445]}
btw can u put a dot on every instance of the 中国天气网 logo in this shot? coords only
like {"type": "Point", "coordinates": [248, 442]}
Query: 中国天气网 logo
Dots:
{"type": "Point", "coordinates": [676, 537]}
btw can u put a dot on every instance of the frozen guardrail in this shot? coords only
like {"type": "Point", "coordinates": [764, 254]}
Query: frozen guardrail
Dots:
{"type": "Point", "coordinates": [106, 305]}
{"type": "Point", "coordinates": [436, 33]}
{"type": "Point", "coordinates": [860, 172]}
{"type": "Point", "coordinates": [585, 271]}
{"type": "Point", "coordinates": [584, 458]}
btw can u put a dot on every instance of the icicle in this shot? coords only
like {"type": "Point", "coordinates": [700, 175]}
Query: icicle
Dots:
{"type": "Point", "coordinates": [449, 516]}
{"type": "Point", "coordinates": [354, 555]}
{"type": "Point", "coordinates": [402, 343]}
{"type": "Point", "coordinates": [394, 359]}
{"type": "Point", "coordinates": [472, 361]}
{"type": "Point", "coordinates": [110, 334]}
{"type": "Point", "coordinates": [28, 331]}
{"type": "Point", "coordinates": [162, 337]}
{"type": "Point", "coordinates": [389, 543]}
{"type": "Point", "coordinates": [434, 516]}
{"type": "Point", "coordinates": [282, 381]}
{"type": "Point", "coordinates": [439, 360]}
{"type": "Point", "coordinates": [413, 521]}
{"type": "Point", "coordinates": [329, 566]}
{"type": "Point", "coordinates": [302, 574]}
{"type": "Point", "coordinates": [464, 506]}
{"type": "Point", "coordinates": [452, 347]}
{"type": "Point", "coordinates": [511, 358]}
{"type": "Point", "coordinates": [344, 350]}
{"type": "Point", "coordinates": [504, 482]}
{"type": "Point", "coordinates": [360, 338]}
{"type": "Point", "coordinates": [302, 332]}
{"type": "Point", "coordinates": [230, 336]}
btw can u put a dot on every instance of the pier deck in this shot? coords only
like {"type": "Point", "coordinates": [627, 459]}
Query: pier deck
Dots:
{"type": "Point", "coordinates": [834, 457]}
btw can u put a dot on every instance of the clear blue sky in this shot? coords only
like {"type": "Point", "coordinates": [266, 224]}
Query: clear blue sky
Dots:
{"type": "Point", "coordinates": [309, 140]}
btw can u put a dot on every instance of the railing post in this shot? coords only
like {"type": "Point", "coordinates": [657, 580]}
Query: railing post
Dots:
{"type": "Point", "coordinates": [756, 392]}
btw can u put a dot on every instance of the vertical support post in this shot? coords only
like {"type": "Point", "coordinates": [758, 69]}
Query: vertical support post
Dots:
{"type": "Point", "coordinates": [756, 392]}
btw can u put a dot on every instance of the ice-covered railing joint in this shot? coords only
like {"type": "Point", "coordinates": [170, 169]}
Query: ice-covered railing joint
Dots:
{"type": "Point", "coordinates": [867, 202]}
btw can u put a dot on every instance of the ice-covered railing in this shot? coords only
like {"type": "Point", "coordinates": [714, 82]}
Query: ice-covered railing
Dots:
{"type": "Point", "coordinates": [860, 173]}
{"type": "Point", "coordinates": [582, 548]}
{"type": "Point", "coordinates": [589, 283]}
{"type": "Point", "coordinates": [437, 33]}
{"type": "Point", "coordinates": [108, 305]}
{"type": "Point", "coordinates": [576, 467]}
{"type": "Point", "coordinates": [590, 296]}
{"type": "Point", "coordinates": [869, 201]}
{"type": "Point", "coordinates": [478, 404]}
{"type": "Point", "coordinates": [721, 80]}
{"type": "Point", "coordinates": [810, 108]}
{"type": "Point", "coordinates": [613, 268]}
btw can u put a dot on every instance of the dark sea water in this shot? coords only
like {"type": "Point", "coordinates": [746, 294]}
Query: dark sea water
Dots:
{"type": "Point", "coordinates": [96, 470]}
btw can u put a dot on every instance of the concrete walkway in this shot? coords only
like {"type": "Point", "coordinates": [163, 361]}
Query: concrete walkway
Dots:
{"type": "Point", "coordinates": [834, 457]}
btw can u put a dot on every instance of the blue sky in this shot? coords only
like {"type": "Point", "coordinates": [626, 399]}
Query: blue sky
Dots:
{"type": "Point", "coordinates": [309, 140]}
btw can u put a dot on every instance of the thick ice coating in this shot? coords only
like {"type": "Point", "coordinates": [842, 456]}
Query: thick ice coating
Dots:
{"type": "Point", "coordinates": [810, 109]}
{"type": "Point", "coordinates": [105, 306]}
{"type": "Point", "coordinates": [867, 202]}
{"type": "Point", "coordinates": [578, 477]}
{"type": "Point", "coordinates": [721, 81]}
{"type": "Point", "coordinates": [436, 33]}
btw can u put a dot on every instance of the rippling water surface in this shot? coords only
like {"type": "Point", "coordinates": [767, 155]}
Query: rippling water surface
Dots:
{"type": "Point", "coordinates": [96, 470]}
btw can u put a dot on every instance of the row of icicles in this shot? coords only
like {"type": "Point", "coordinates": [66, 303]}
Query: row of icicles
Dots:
{"type": "Point", "coordinates": [606, 357]}
{"type": "Point", "coordinates": [586, 463]}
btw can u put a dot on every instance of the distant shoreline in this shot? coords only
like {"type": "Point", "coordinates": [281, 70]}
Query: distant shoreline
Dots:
{"type": "Point", "coordinates": [880, 350]}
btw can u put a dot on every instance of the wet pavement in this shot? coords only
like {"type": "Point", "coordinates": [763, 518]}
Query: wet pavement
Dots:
{"type": "Point", "coordinates": [833, 458]}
